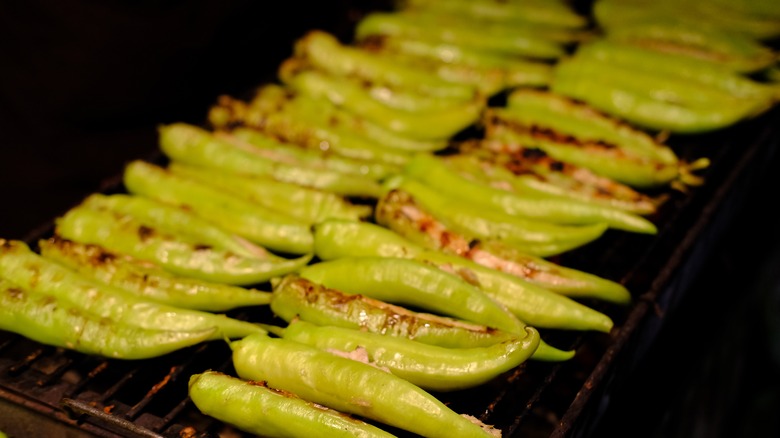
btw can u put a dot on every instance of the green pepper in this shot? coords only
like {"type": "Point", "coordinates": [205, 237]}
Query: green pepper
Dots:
{"type": "Point", "coordinates": [350, 130]}
{"type": "Point", "coordinates": [275, 121]}
{"type": "Point", "coordinates": [271, 228]}
{"type": "Point", "coordinates": [537, 306]}
{"type": "Point", "coordinates": [325, 52]}
{"type": "Point", "coordinates": [303, 203]}
{"type": "Point", "coordinates": [493, 30]}
{"type": "Point", "coordinates": [542, 12]}
{"type": "Point", "coordinates": [532, 171]}
{"type": "Point", "coordinates": [676, 65]}
{"type": "Point", "coordinates": [409, 282]}
{"type": "Point", "coordinates": [325, 148]}
{"type": "Point", "coordinates": [125, 235]}
{"type": "Point", "coordinates": [348, 386]}
{"type": "Point", "coordinates": [175, 220]}
{"type": "Point", "coordinates": [570, 118]}
{"type": "Point", "coordinates": [757, 19]}
{"type": "Point", "coordinates": [448, 230]}
{"type": "Point", "coordinates": [411, 116]}
{"type": "Point", "coordinates": [255, 408]}
{"type": "Point", "coordinates": [147, 280]}
{"type": "Point", "coordinates": [643, 111]}
{"type": "Point", "coordinates": [354, 93]}
{"type": "Point", "coordinates": [674, 90]}
{"type": "Point", "coordinates": [30, 271]}
{"type": "Point", "coordinates": [513, 70]}
{"type": "Point", "coordinates": [536, 237]}
{"type": "Point", "coordinates": [400, 214]}
{"type": "Point", "coordinates": [487, 81]}
{"type": "Point", "coordinates": [527, 44]}
{"type": "Point", "coordinates": [54, 321]}
{"type": "Point", "coordinates": [430, 367]}
{"type": "Point", "coordinates": [192, 145]}
{"type": "Point", "coordinates": [436, 180]}
{"type": "Point", "coordinates": [722, 47]}
{"type": "Point", "coordinates": [296, 297]}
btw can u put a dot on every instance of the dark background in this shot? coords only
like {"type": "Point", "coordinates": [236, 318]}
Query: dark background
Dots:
{"type": "Point", "coordinates": [85, 83]}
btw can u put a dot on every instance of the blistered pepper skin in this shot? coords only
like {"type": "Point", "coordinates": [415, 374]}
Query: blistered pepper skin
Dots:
{"type": "Point", "coordinates": [297, 298]}
{"type": "Point", "coordinates": [348, 386]}
{"type": "Point", "coordinates": [537, 306]}
{"type": "Point", "coordinates": [428, 170]}
{"type": "Point", "coordinates": [20, 265]}
{"type": "Point", "coordinates": [409, 282]}
{"type": "Point", "coordinates": [125, 235]}
{"type": "Point", "coordinates": [401, 215]}
{"type": "Point", "coordinates": [430, 367]}
{"type": "Point", "coordinates": [270, 228]}
{"type": "Point", "coordinates": [257, 409]}
{"type": "Point", "coordinates": [195, 146]}
{"type": "Point", "coordinates": [147, 280]}
{"type": "Point", "coordinates": [54, 321]}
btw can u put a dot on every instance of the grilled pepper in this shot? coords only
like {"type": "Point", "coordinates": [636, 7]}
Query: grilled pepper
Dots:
{"type": "Point", "coordinates": [192, 145]}
{"type": "Point", "coordinates": [255, 408]}
{"type": "Point", "coordinates": [436, 179]}
{"type": "Point", "coordinates": [54, 321]}
{"type": "Point", "coordinates": [30, 271]}
{"type": "Point", "coordinates": [271, 228]}
{"type": "Point", "coordinates": [430, 367]}
{"type": "Point", "coordinates": [531, 303]}
{"type": "Point", "coordinates": [349, 386]}
{"type": "Point", "coordinates": [147, 280]}
{"type": "Point", "coordinates": [175, 254]}
{"type": "Point", "coordinates": [296, 297]}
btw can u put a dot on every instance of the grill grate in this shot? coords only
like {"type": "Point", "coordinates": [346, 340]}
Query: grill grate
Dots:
{"type": "Point", "coordinates": [148, 398]}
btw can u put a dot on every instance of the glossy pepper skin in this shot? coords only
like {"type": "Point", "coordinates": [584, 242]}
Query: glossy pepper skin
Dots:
{"type": "Point", "coordinates": [301, 119]}
{"type": "Point", "coordinates": [519, 44]}
{"type": "Point", "coordinates": [402, 113]}
{"type": "Point", "coordinates": [147, 280]}
{"type": "Point", "coordinates": [630, 102]}
{"type": "Point", "coordinates": [430, 367]}
{"type": "Point", "coordinates": [125, 235]}
{"type": "Point", "coordinates": [55, 321]}
{"type": "Point", "coordinates": [302, 203]}
{"type": "Point", "coordinates": [413, 226]}
{"type": "Point", "coordinates": [295, 297]}
{"type": "Point", "coordinates": [452, 226]}
{"type": "Point", "coordinates": [20, 265]}
{"type": "Point", "coordinates": [677, 65]}
{"type": "Point", "coordinates": [551, 14]}
{"type": "Point", "coordinates": [255, 408]}
{"type": "Point", "coordinates": [533, 236]}
{"type": "Point", "coordinates": [270, 228]}
{"type": "Point", "coordinates": [316, 147]}
{"type": "Point", "coordinates": [409, 282]}
{"type": "Point", "coordinates": [492, 72]}
{"type": "Point", "coordinates": [348, 386]}
{"type": "Point", "coordinates": [193, 145]}
{"type": "Point", "coordinates": [531, 170]}
{"type": "Point", "coordinates": [535, 305]}
{"type": "Point", "coordinates": [325, 52]}
{"type": "Point", "coordinates": [173, 219]}
{"type": "Point", "coordinates": [431, 172]}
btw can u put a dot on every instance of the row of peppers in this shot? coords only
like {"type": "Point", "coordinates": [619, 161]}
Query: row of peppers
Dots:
{"type": "Point", "coordinates": [383, 232]}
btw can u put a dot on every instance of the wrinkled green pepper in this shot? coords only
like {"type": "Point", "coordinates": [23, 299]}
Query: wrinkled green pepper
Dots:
{"type": "Point", "coordinates": [253, 407]}
{"type": "Point", "coordinates": [147, 280]}
{"type": "Point", "coordinates": [55, 321]}
{"type": "Point", "coordinates": [348, 386]}
{"type": "Point", "coordinates": [430, 367]}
